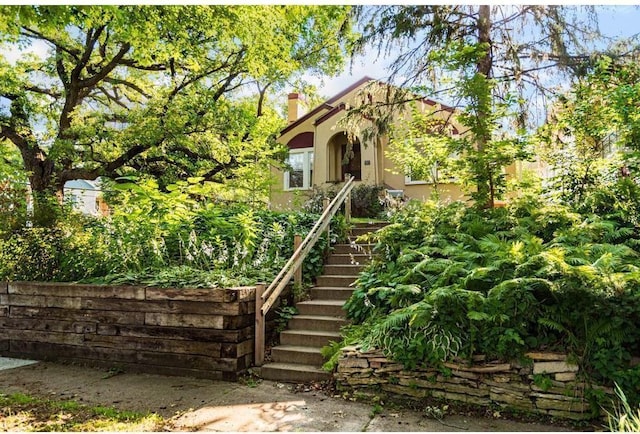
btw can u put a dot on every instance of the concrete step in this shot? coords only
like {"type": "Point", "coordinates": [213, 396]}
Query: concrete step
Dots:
{"type": "Point", "coordinates": [343, 269]}
{"type": "Point", "coordinates": [308, 338]}
{"type": "Point", "coordinates": [352, 248]}
{"type": "Point", "coordinates": [348, 259]}
{"type": "Point", "coordinates": [331, 293]}
{"type": "Point", "coordinates": [292, 373]}
{"type": "Point", "coordinates": [321, 307]}
{"type": "Point", "coordinates": [370, 224]}
{"type": "Point", "coordinates": [297, 354]}
{"type": "Point", "coordinates": [317, 322]}
{"type": "Point", "coordinates": [335, 280]}
{"type": "Point", "coordinates": [357, 231]}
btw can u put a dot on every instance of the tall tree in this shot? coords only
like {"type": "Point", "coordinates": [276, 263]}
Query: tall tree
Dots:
{"type": "Point", "coordinates": [490, 61]}
{"type": "Point", "coordinates": [592, 136]}
{"type": "Point", "coordinates": [160, 89]}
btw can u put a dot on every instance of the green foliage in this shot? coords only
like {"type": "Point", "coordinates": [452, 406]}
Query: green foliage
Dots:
{"type": "Point", "coordinates": [366, 201]}
{"type": "Point", "coordinates": [624, 418]}
{"type": "Point", "coordinates": [176, 238]}
{"type": "Point", "coordinates": [450, 281]}
{"type": "Point", "coordinates": [169, 91]}
{"type": "Point", "coordinates": [284, 314]}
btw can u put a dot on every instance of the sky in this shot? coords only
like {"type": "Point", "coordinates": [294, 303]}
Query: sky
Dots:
{"type": "Point", "coordinates": [619, 21]}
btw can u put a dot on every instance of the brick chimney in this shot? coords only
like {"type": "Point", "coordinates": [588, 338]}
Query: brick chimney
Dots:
{"type": "Point", "coordinates": [294, 107]}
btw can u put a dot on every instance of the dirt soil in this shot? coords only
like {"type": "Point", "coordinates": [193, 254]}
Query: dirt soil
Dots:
{"type": "Point", "coordinates": [204, 405]}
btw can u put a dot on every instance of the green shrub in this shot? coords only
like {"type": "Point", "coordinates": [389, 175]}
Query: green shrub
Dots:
{"type": "Point", "coordinates": [450, 281]}
{"type": "Point", "coordinates": [164, 239]}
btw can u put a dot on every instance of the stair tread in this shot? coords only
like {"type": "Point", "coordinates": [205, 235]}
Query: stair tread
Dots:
{"type": "Point", "coordinates": [319, 317]}
{"type": "Point", "coordinates": [323, 302]}
{"type": "Point", "coordinates": [335, 275]}
{"type": "Point", "coordinates": [346, 288]}
{"type": "Point", "coordinates": [355, 244]}
{"type": "Point", "coordinates": [294, 367]}
{"type": "Point", "coordinates": [298, 348]}
{"type": "Point", "coordinates": [312, 333]}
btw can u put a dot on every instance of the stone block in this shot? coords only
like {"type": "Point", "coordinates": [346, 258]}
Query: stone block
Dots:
{"type": "Point", "coordinates": [396, 367]}
{"type": "Point", "coordinates": [546, 356]}
{"type": "Point", "coordinates": [465, 374]}
{"type": "Point", "coordinates": [565, 376]}
{"type": "Point", "coordinates": [353, 362]}
{"type": "Point", "coordinates": [501, 378]}
{"type": "Point", "coordinates": [417, 382]}
{"type": "Point", "coordinates": [4, 285]}
{"type": "Point", "coordinates": [562, 397]}
{"type": "Point", "coordinates": [570, 414]}
{"type": "Point", "coordinates": [474, 391]}
{"type": "Point", "coordinates": [574, 405]}
{"type": "Point", "coordinates": [462, 397]}
{"type": "Point", "coordinates": [512, 387]}
{"type": "Point", "coordinates": [404, 390]}
{"type": "Point", "coordinates": [354, 381]}
{"type": "Point", "coordinates": [483, 369]}
{"type": "Point", "coordinates": [553, 367]}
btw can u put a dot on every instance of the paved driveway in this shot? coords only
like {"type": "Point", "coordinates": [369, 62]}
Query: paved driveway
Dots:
{"type": "Point", "coordinates": [205, 405]}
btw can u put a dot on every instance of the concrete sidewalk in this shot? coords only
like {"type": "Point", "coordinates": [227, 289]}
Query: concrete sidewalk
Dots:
{"type": "Point", "coordinates": [205, 405]}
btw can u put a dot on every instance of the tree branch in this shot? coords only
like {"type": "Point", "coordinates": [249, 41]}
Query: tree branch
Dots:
{"type": "Point", "coordinates": [31, 33]}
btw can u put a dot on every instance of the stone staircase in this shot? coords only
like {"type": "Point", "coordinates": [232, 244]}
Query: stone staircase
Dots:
{"type": "Point", "coordinates": [298, 359]}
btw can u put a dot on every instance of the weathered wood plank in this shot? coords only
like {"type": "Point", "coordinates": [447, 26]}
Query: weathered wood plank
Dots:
{"type": "Point", "coordinates": [184, 320]}
{"type": "Point", "coordinates": [41, 336]}
{"type": "Point", "coordinates": [211, 349]}
{"type": "Point", "coordinates": [58, 326]}
{"type": "Point", "coordinates": [44, 301]}
{"type": "Point", "coordinates": [237, 349]}
{"type": "Point", "coordinates": [238, 322]}
{"type": "Point", "coordinates": [187, 361]}
{"type": "Point", "coordinates": [52, 351]}
{"type": "Point", "coordinates": [104, 317]}
{"type": "Point", "coordinates": [76, 290]}
{"type": "Point", "coordinates": [187, 294]}
{"type": "Point", "coordinates": [187, 333]}
{"type": "Point", "coordinates": [166, 306]}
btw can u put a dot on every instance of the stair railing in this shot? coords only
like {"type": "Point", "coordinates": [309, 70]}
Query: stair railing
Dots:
{"type": "Point", "coordinates": [266, 298]}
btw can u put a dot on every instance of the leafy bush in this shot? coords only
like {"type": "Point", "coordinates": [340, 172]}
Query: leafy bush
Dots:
{"type": "Point", "coordinates": [450, 282]}
{"type": "Point", "coordinates": [164, 239]}
{"type": "Point", "coordinates": [365, 200]}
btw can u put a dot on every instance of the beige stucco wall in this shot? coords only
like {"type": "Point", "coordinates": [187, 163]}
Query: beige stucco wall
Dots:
{"type": "Point", "coordinates": [379, 171]}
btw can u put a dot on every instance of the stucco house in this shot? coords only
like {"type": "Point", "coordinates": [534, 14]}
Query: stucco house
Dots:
{"type": "Point", "coordinates": [317, 144]}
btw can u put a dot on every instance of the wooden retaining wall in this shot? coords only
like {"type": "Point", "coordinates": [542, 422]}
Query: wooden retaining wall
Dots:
{"type": "Point", "coordinates": [206, 333]}
{"type": "Point", "coordinates": [548, 385]}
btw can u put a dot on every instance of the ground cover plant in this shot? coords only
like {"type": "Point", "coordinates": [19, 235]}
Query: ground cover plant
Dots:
{"type": "Point", "coordinates": [176, 238]}
{"type": "Point", "coordinates": [451, 281]}
{"type": "Point", "coordinates": [20, 412]}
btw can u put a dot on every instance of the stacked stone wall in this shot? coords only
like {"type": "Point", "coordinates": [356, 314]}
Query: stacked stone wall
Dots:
{"type": "Point", "coordinates": [549, 384]}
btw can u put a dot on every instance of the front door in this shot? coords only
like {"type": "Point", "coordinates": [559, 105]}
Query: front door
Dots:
{"type": "Point", "coordinates": [352, 163]}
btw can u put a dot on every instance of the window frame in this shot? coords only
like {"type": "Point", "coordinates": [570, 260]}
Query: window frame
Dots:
{"type": "Point", "coordinates": [307, 169]}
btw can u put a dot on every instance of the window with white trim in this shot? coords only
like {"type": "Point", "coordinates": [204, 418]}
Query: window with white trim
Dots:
{"type": "Point", "coordinates": [300, 175]}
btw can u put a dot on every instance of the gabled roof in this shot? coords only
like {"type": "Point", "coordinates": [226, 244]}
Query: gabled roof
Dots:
{"type": "Point", "coordinates": [327, 104]}
{"type": "Point", "coordinates": [332, 110]}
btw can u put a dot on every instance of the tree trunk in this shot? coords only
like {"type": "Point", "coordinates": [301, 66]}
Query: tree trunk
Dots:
{"type": "Point", "coordinates": [485, 65]}
{"type": "Point", "coordinates": [47, 198]}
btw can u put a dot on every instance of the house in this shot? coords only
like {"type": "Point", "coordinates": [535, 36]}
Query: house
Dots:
{"type": "Point", "coordinates": [86, 196]}
{"type": "Point", "coordinates": [319, 154]}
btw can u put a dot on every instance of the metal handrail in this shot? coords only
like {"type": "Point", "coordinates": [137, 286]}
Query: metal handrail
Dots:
{"type": "Point", "coordinates": [282, 279]}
